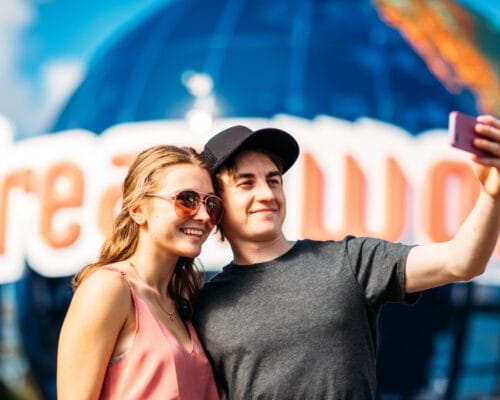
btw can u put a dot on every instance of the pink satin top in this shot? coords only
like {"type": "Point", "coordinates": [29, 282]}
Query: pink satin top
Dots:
{"type": "Point", "coordinates": [157, 366]}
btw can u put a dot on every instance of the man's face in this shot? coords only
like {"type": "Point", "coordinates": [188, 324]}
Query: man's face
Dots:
{"type": "Point", "coordinates": [254, 202]}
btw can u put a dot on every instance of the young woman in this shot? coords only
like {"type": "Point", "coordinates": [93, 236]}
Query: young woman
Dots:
{"type": "Point", "coordinates": [127, 333]}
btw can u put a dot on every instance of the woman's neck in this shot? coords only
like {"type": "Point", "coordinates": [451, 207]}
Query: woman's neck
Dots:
{"type": "Point", "coordinates": [154, 268]}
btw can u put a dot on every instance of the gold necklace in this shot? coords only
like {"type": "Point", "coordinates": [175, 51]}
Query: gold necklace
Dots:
{"type": "Point", "coordinates": [170, 314]}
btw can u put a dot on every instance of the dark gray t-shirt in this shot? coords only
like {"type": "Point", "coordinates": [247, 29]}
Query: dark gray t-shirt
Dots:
{"type": "Point", "coordinates": [302, 326]}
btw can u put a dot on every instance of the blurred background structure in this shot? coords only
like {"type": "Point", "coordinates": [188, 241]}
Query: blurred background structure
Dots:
{"type": "Point", "coordinates": [365, 86]}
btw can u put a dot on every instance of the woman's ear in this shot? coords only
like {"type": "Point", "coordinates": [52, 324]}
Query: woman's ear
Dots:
{"type": "Point", "coordinates": [137, 214]}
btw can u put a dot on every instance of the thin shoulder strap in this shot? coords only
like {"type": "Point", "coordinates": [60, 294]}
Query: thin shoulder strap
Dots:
{"type": "Point", "coordinates": [114, 269]}
{"type": "Point", "coordinates": [124, 276]}
{"type": "Point", "coordinates": [132, 293]}
{"type": "Point", "coordinates": [122, 273]}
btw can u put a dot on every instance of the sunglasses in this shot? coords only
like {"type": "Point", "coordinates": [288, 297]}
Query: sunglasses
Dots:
{"type": "Point", "coordinates": [188, 202]}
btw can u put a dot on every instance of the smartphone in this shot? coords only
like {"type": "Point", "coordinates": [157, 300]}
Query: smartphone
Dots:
{"type": "Point", "coordinates": [461, 128]}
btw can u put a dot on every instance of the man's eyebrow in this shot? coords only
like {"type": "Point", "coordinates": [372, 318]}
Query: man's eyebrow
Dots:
{"type": "Point", "coordinates": [272, 174]}
{"type": "Point", "coordinates": [244, 175]}
{"type": "Point", "coordinates": [250, 175]}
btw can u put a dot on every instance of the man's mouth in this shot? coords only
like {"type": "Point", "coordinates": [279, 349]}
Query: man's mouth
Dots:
{"type": "Point", "coordinates": [263, 210]}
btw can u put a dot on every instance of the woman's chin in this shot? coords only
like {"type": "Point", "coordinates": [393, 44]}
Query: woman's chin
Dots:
{"type": "Point", "coordinates": [190, 251]}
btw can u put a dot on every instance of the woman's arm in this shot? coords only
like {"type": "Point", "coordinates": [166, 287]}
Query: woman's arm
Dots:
{"type": "Point", "coordinates": [97, 313]}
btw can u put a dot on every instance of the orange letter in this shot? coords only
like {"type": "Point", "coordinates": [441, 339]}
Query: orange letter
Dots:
{"type": "Point", "coordinates": [112, 195]}
{"type": "Point", "coordinates": [395, 200]}
{"type": "Point", "coordinates": [20, 179]}
{"type": "Point", "coordinates": [109, 200]}
{"type": "Point", "coordinates": [52, 200]}
{"type": "Point", "coordinates": [312, 209]}
{"type": "Point", "coordinates": [435, 197]}
{"type": "Point", "coordinates": [355, 201]}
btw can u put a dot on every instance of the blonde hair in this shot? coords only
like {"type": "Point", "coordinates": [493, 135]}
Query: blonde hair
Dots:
{"type": "Point", "coordinates": [144, 177]}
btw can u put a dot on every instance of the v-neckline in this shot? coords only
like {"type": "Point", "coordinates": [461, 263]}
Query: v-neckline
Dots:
{"type": "Point", "coordinates": [168, 332]}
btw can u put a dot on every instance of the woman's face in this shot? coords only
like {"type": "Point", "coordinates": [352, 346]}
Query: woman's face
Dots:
{"type": "Point", "coordinates": [169, 229]}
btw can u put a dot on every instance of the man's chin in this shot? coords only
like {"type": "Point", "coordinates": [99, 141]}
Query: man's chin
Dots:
{"type": "Point", "coordinates": [260, 232]}
{"type": "Point", "coordinates": [264, 235]}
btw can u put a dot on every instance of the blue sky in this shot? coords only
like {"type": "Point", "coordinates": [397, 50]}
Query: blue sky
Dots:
{"type": "Point", "coordinates": [73, 28]}
{"type": "Point", "coordinates": [46, 45]}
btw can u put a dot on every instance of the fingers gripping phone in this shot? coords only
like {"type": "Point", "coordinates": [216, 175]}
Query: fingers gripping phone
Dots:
{"type": "Point", "coordinates": [462, 135]}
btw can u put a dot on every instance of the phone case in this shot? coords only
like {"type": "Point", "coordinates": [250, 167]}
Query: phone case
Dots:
{"type": "Point", "coordinates": [461, 128]}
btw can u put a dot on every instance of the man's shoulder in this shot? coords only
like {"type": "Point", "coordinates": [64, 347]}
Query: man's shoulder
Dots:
{"type": "Point", "coordinates": [323, 245]}
{"type": "Point", "coordinates": [337, 248]}
{"type": "Point", "coordinates": [348, 240]}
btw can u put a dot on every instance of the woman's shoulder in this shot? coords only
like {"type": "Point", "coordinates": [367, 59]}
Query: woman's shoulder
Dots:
{"type": "Point", "coordinates": [100, 307]}
{"type": "Point", "coordinates": [106, 287]}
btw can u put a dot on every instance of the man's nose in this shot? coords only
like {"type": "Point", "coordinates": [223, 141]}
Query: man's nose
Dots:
{"type": "Point", "coordinates": [264, 192]}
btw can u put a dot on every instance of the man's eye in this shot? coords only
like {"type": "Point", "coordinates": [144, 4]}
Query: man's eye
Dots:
{"type": "Point", "coordinates": [274, 182]}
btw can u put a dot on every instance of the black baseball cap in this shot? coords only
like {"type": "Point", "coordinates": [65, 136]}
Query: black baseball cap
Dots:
{"type": "Point", "coordinates": [238, 138]}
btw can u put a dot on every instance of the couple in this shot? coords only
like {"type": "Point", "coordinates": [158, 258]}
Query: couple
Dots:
{"type": "Point", "coordinates": [284, 320]}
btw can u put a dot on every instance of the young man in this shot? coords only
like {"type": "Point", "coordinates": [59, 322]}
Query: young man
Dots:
{"type": "Point", "coordinates": [297, 319]}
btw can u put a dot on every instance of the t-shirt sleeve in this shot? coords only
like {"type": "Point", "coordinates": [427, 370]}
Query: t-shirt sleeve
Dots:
{"type": "Point", "coordinates": [379, 268]}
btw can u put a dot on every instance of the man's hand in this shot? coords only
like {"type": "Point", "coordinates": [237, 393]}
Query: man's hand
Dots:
{"type": "Point", "coordinates": [467, 253]}
{"type": "Point", "coordinates": [487, 169]}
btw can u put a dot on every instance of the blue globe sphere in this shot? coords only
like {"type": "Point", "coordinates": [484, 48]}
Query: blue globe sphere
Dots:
{"type": "Point", "coordinates": [333, 57]}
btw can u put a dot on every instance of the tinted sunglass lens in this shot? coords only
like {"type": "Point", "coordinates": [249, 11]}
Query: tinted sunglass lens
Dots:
{"type": "Point", "coordinates": [187, 202]}
{"type": "Point", "coordinates": [214, 208]}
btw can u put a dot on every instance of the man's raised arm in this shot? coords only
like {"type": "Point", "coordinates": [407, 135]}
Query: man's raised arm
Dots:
{"type": "Point", "coordinates": [467, 254]}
